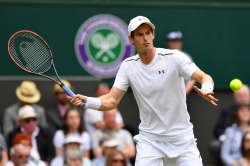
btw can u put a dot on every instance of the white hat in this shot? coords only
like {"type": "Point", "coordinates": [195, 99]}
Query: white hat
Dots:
{"type": "Point", "coordinates": [137, 21]}
{"type": "Point", "coordinates": [109, 143]}
{"type": "Point", "coordinates": [72, 138]}
{"type": "Point", "coordinates": [175, 35]}
{"type": "Point", "coordinates": [25, 112]}
{"type": "Point", "coordinates": [27, 92]}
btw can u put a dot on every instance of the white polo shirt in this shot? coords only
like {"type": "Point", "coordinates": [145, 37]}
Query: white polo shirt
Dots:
{"type": "Point", "coordinates": [159, 91]}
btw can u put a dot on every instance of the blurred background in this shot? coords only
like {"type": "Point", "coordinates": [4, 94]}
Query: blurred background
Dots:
{"type": "Point", "coordinates": [215, 33]}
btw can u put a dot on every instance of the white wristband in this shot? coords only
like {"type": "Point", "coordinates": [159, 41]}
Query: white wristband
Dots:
{"type": "Point", "coordinates": [93, 103]}
{"type": "Point", "coordinates": [207, 87]}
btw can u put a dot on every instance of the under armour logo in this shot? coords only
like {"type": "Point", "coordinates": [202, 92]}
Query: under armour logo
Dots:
{"type": "Point", "coordinates": [161, 71]}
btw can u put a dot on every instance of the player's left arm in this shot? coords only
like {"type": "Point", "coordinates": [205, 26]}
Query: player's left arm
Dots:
{"type": "Point", "coordinates": [207, 86]}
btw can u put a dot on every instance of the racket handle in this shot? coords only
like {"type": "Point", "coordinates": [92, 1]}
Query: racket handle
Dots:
{"type": "Point", "coordinates": [68, 91]}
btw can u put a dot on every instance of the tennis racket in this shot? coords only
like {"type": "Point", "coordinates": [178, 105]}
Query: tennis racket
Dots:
{"type": "Point", "coordinates": [30, 52]}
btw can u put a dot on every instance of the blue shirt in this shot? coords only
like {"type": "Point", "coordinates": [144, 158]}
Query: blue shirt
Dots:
{"type": "Point", "coordinates": [231, 147]}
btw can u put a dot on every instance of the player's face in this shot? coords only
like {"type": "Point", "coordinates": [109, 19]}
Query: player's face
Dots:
{"type": "Point", "coordinates": [143, 38]}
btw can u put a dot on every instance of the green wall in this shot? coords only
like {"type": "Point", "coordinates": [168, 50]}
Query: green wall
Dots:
{"type": "Point", "coordinates": [217, 37]}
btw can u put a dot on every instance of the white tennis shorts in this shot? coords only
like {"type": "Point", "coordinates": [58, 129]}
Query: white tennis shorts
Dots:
{"type": "Point", "coordinates": [154, 153]}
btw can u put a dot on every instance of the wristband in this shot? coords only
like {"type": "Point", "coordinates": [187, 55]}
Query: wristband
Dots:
{"type": "Point", "coordinates": [93, 103]}
{"type": "Point", "coordinates": [207, 87]}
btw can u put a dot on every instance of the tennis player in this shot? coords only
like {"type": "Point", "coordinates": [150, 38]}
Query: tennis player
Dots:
{"type": "Point", "coordinates": [156, 76]}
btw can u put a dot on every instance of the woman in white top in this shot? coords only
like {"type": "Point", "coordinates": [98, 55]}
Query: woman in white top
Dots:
{"type": "Point", "coordinates": [73, 124]}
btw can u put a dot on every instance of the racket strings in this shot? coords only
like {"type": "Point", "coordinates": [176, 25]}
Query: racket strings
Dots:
{"type": "Point", "coordinates": [31, 52]}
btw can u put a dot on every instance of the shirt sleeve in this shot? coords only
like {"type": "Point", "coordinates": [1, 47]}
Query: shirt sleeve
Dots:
{"type": "Point", "coordinates": [186, 67]}
{"type": "Point", "coordinates": [58, 139]}
{"type": "Point", "coordinates": [86, 142]}
{"type": "Point", "coordinates": [119, 118]}
{"type": "Point", "coordinates": [226, 156]}
{"type": "Point", "coordinates": [128, 139]}
{"type": "Point", "coordinates": [121, 80]}
{"type": "Point", "coordinates": [96, 138]}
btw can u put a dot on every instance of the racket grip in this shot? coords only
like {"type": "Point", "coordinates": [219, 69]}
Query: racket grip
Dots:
{"type": "Point", "coordinates": [68, 91]}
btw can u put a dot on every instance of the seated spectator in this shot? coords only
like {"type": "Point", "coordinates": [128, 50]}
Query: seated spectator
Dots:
{"type": "Point", "coordinates": [60, 106]}
{"type": "Point", "coordinates": [122, 136]}
{"type": "Point", "coordinates": [245, 151]}
{"type": "Point", "coordinates": [74, 158]}
{"type": "Point", "coordinates": [94, 119]}
{"type": "Point", "coordinates": [25, 139]}
{"type": "Point", "coordinates": [107, 146]}
{"type": "Point", "coordinates": [20, 156]}
{"type": "Point", "coordinates": [72, 125]}
{"type": "Point", "coordinates": [27, 94]}
{"type": "Point", "coordinates": [72, 142]}
{"type": "Point", "coordinates": [3, 151]}
{"type": "Point", "coordinates": [42, 147]}
{"type": "Point", "coordinates": [241, 96]}
{"type": "Point", "coordinates": [230, 151]}
{"type": "Point", "coordinates": [116, 158]}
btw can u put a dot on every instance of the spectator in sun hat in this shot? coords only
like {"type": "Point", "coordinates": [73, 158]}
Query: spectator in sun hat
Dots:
{"type": "Point", "coordinates": [42, 147]}
{"type": "Point", "coordinates": [72, 142]}
{"type": "Point", "coordinates": [58, 107]}
{"type": "Point", "coordinates": [72, 124]}
{"type": "Point", "coordinates": [27, 93]}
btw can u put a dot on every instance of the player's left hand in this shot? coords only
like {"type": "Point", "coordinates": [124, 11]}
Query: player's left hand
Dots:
{"type": "Point", "coordinates": [208, 96]}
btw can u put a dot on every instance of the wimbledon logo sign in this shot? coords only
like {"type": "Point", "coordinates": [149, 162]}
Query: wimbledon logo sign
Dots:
{"type": "Point", "coordinates": [101, 44]}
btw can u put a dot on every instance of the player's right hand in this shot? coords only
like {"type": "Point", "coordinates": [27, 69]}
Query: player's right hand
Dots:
{"type": "Point", "coordinates": [77, 100]}
{"type": "Point", "coordinates": [208, 96]}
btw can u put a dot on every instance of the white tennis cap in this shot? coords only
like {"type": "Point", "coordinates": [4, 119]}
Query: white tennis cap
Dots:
{"type": "Point", "coordinates": [72, 138]}
{"type": "Point", "coordinates": [137, 21]}
{"type": "Point", "coordinates": [26, 112]}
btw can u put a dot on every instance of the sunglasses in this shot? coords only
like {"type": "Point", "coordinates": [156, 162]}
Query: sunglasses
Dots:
{"type": "Point", "coordinates": [28, 120]}
{"type": "Point", "coordinates": [22, 156]}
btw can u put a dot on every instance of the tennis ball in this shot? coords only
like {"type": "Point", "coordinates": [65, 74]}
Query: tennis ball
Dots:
{"type": "Point", "coordinates": [235, 84]}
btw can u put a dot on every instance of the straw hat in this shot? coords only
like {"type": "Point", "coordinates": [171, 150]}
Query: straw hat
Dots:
{"type": "Point", "coordinates": [58, 89]}
{"type": "Point", "coordinates": [27, 92]}
{"type": "Point", "coordinates": [26, 112]}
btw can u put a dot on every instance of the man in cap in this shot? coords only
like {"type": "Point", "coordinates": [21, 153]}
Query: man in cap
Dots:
{"type": "Point", "coordinates": [72, 142]}
{"type": "Point", "coordinates": [156, 77]}
{"type": "Point", "coordinates": [56, 113]}
{"type": "Point", "coordinates": [108, 145]}
{"type": "Point", "coordinates": [42, 147]}
{"type": "Point", "coordinates": [174, 40]}
{"type": "Point", "coordinates": [27, 94]}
